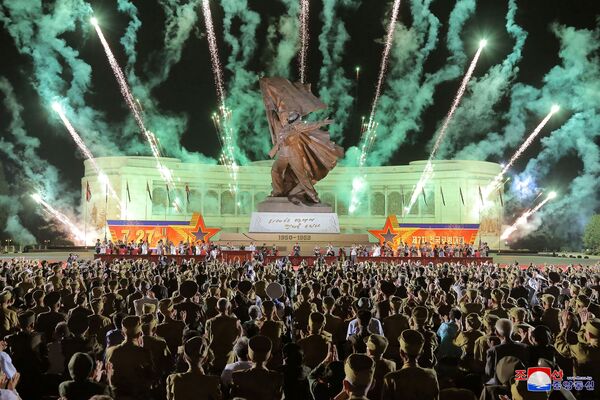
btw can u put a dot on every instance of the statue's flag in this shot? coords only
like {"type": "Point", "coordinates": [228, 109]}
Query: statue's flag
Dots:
{"type": "Point", "coordinates": [88, 192]}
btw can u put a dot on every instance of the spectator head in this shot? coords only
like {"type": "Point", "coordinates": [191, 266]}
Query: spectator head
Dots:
{"type": "Point", "coordinates": [504, 328]}
{"type": "Point", "coordinates": [241, 349]}
{"type": "Point", "coordinates": [5, 298]}
{"type": "Point", "coordinates": [411, 344]}
{"type": "Point", "coordinates": [359, 370]}
{"type": "Point", "coordinates": [292, 354]}
{"type": "Point", "coordinates": [259, 349]}
{"type": "Point", "coordinates": [328, 303]}
{"type": "Point", "coordinates": [376, 346]}
{"type": "Point", "coordinates": [38, 297]}
{"type": "Point", "coordinates": [497, 296]}
{"type": "Point", "coordinates": [80, 366]}
{"type": "Point", "coordinates": [97, 306]}
{"type": "Point", "coordinates": [254, 312]}
{"type": "Point", "coordinates": [316, 322]}
{"type": "Point", "coordinates": [268, 308]}
{"type": "Point", "coordinates": [78, 324]}
{"type": "Point", "coordinates": [223, 305]}
{"type": "Point", "coordinates": [489, 323]}
{"type": "Point", "coordinates": [541, 335]}
{"type": "Point", "coordinates": [455, 314]}
{"type": "Point", "coordinates": [61, 331]}
{"type": "Point", "coordinates": [473, 321]}
{"type": "Point", "coordinates": [27, 320]}
{"type": "Point", "coordinates": [195, 351]}
{"type": "Point", "coordinates": [132, 328]}
{"type": "Point", "coordinates": [547, 301]}
{"type": "Point", "coordinates": [117, 320]}
{"type": "Point", "coordinates": [165, 306]}
{"type": "Point", "coordinates": [420, 315]}
{"type": "Point", "coordinates": [364, 318]}
{"type": "Point", "coordinates": [471, 295]}
{"type": "Point", "coordinates": [149, 323]}
{"type": "Point", "coordinates": [517, 314]}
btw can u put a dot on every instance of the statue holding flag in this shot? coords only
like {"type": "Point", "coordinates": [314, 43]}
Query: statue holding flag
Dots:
{"type": "Point", "coordinates": [304, 153]}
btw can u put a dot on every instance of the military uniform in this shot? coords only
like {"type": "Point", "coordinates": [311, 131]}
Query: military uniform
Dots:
{"type": "Point", "coordinates": [393, 326]}
{"type": "Point", "coordinates": [466, 339]}
{"type": "Point", "coordinates": [411, 382]}
{"type": "Point", "coordinates": [551, 315]}
{"type": "Point", "coordinates": [222, 331]}
{"type": "Point", "coordinates": [258, 383]}
{"type": "Point", "coordinates": [194, 384]}
{"type": "Point", "coordinates": [586, 355]}
{"type": "Point", "coordinates": [315, 345]}
{"type": "Point", "coordinates": [8, 318]}
{"type": "Point", "coordinates": [133, 371]}
{"type": "Point", "coordinates": [359, 370]}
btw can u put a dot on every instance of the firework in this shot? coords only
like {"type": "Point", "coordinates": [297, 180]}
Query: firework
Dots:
{"type": "Point", "coordinates": [222, 119]}
{"type": "Point", "coordinates": [428, 171]}
{"type": "Point", "coordinates": [214, 52]}
{"type": "Point", "coordinates": [498, 179]}
{"type": "Point", "coordinates": [304, 36]}
{"type": "Point", "coordinates": [522, 220]}
{"type": "Point", "coordinates": [84, 149]}
{"type": "Point", "coordinates": [132, 103]}
{"type": "Point", "coordinates": [77, 234]}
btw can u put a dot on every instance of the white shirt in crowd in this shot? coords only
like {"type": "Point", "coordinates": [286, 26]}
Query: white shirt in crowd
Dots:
{"type": "Point", "coordinates": [374, 327]}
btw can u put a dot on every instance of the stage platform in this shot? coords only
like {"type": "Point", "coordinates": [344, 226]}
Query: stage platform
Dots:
{"type": "Point", "coordinates": [232, 256]}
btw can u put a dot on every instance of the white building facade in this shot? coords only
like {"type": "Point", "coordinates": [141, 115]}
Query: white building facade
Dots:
{"type": "Point", "coordinates": [388, 191]}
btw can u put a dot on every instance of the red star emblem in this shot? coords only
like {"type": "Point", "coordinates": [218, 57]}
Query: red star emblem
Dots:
{"type": "Point", "coordinates": [197, 230]}
{"type": "Point", "coordinates": [389, 233]}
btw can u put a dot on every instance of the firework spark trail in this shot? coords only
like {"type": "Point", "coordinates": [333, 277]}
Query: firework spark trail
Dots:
{"type": "Point", "coordinates": [59, 216]}
{"type": "Point", "coordinates": [304, 37]}
{"type": "Point", "coordinates": [522, 220]}
{"type": "Point", "coordinates": [214, 52]}
{"type": "Point", "coordinates": [496, 181]}
{"type": "Point", "coordinates": [86, 152]}
{"type": "Point", "coordinates": [369, 129]}
{"type": "Point", "coordinates": [428, 171]}
{"type": "Point", "coordinates": [131, 102]}
{"type": "Point", "coordinates": [222, 120]}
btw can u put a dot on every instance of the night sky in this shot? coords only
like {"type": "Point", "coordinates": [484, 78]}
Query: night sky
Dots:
{"type": "Point", "coordinates": [190, 86]}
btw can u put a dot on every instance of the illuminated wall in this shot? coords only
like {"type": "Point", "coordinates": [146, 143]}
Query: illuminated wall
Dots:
{"type": "Point", "coordinates": [389, 189]}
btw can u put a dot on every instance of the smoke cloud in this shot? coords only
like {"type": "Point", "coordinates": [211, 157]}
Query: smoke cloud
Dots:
{"type": "Point", "coordinates": [409, 91]}
{"type": "Point", "coordinates": [484, 93]}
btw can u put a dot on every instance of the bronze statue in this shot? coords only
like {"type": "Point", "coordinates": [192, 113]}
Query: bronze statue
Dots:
{"type": "Point", "coordinates": [305, 153]}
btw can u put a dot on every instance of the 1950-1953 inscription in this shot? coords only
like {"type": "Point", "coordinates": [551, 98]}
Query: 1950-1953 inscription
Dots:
{"type": "Point", "coordinates": [298, 238]}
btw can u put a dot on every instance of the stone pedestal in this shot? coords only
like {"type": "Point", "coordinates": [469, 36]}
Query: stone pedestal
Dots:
{"type": "Point", "coordinates": [279, 215]}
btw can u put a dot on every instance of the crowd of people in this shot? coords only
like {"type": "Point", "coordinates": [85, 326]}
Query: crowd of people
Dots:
{"type": "Point", "coordinates": [137, 330]}
{"type": "Point", "coordinates": [210, 250]}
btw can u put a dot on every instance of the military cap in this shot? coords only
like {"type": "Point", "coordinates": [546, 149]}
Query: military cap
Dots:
{"type": "Point", "coordinates": [316, 320]}
{"type": "Point", "coordinates": [593, 327]}
{"type": "Point", "coordinates": [582, 301]}
{"type": "Point", "coordinates": [131, 325]}
{"type": "Point", "coordinates": [411, 342]}
{"type": "Point", "coordinates": [165, 306]}
{"type": "Point", "coordinates": [245, 286]}
{"type": "Point", "coordinates": [489, 320]}
{"type": "Point", "coordinates": [5, 296]}
{"type": "Point", "coordinates": [471, 294]}
{"type": "Point", "coordinates": [149, 308]}
{"type": "Point", "coordinates": [377, 344]}
{"type": "Point", "coordinates": [505, 369]}
{"type": "Point", "coordinates": [259, 288]}
{"type": "Point", "coordinates": [196, 347]}
{"type": "Point", "coordinates": [388, 288]}
{"type": "Point", "coordinates": [259, 347]}
{"type": "Point", "coordinates": [97, 292]}
{"type": "Point", "coordinates": [188, 289]}
{"type": "Point", "coordinates": [473, 320]}
{"type": "Point", "coordinates": [420, 314]}
{"type": "Point", "coordinates": [26, 318]}
{"type": "Point", "coordinates": [518, 313]}
{"type": "Point", "coordinates": [78, 323]}
{"type": "Point", "coordinates": [80, 366]}
{"type": "Point", "coordinates": [497, 295]}
{"type": "Point", "coordinates": [359, 369]}
{"type": "Point", "coordinates": [37, 294]}
{"type": "Point", "coordinates": [548, 299]}
{"type": "Point", "coordinates": [554, 277]}
{"type": "Point", "coordinates": [523, 326]}
{"type": "Point", "coordinates": [52, 299]}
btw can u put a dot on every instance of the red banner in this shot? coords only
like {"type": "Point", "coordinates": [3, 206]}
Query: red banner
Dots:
{"type": "Point", "coordinates": [417, 234]}
{"type": "Point", "coordinates": [153, 231]}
